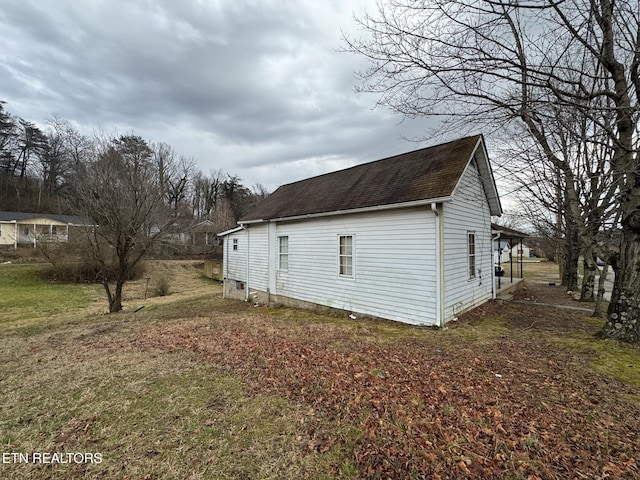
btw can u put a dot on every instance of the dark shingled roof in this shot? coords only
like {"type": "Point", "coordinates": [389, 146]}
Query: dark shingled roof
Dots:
{"type": "Point", "coordinates": [424, 174]}
{"type": "Point", "coordinates": [21, 216]}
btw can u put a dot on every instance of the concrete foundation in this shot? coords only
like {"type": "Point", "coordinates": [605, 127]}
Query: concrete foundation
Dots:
{"type": "Point", "coordinates": [237, 290]}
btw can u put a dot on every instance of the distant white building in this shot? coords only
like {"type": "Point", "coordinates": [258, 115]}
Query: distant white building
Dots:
{"type": "Point", "coordinates": [508, 244]}
{"type": "Point", "coordinates": [29, 229]}
{"type": "Point", "coordinates": [406, 238]}
{"type": "Point", "coordinates": [521, 251]}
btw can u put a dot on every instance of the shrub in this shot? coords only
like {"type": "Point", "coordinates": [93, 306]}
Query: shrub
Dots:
{"type": "Point", "coordinates": [162, 287]}
{"type": "Point", "coordinates": [86, 271]}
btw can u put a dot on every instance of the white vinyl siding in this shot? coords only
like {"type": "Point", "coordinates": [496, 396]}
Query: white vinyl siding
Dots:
{"type": "Point", "coordinates": [236, 256]}
{"type": "Point", "coordinates": [393, 263]}
{"type": "Point", "coordinates": [467, 213]}
{"type": "Point", "coordinates": [7, 234]}
{"type": "Point", "coordinates": [421, 265]}
{"type": "Point", "coordinates": [258, 239]}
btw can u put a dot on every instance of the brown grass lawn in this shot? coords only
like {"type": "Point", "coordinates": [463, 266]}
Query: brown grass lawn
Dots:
{"type": "Point", "coordinates": [194, 386]}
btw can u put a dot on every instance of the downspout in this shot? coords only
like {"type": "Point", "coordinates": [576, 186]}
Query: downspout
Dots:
{"type": "Point", "coordinates": [493, 269]}
{"type": "Point", "coordinates": [225, 251]}
{"type": "Point", "coordinates": [15, 233]}
{"type": "Point", "coordinates": [246, 294]}
{"type": "Point", "coordinates": [439, 266]}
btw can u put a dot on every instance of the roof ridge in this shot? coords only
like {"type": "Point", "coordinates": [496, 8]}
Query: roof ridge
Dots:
{"type": "Point", "coordinates": [421, 174]}
{"type": "Point", "coordinates": [370, 162]}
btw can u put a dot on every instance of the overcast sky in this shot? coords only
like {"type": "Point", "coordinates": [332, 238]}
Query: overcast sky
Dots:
{"type": "Point", "coordinates": [255, 88]}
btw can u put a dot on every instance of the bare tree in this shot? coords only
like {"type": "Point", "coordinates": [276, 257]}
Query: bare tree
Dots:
{"type": "Point", "coordinates": [207, 191]}
{"type": "Point", "coordinates": [7, 140]}
{"type": "Point", "coordinates": [32, 142]}
{"type": "Point", "coordinates": [199, 186]}
{"type": "Point", "coordinates": [54, 163]}
{"type": "Point", "coordinates": [119, 189]}
{"type": "Point", "coordinates": [174, 172]}
{"type": "Point", "coordinates": [501, 62]}
{"type": "Point", "coordinates": [582, 194]}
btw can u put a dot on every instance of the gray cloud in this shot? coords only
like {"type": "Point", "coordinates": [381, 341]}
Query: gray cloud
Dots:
{"type": "Point", "coordinates": [255, 88]}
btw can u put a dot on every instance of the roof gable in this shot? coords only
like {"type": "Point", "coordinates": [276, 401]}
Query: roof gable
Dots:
{"type": "Point", "coordinates": [480, 160]}
{"type": "Point", "coordinates": [425, 174]}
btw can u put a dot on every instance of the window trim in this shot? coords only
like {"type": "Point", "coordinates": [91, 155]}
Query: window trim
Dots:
{"type": "Point", "coordinates": [283, 255]}
{"type": "Point", "coordinates": [351, 255]}
{"type": "Point", "coordinates": [471, 255]}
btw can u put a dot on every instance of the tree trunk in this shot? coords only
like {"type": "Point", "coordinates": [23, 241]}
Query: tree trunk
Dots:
{"type": "Point", "coordinates": [114, 298]}
{"type": "Point", "coordinates": [597, 311]}
{"type": "Point", "coordinates": [115, 302]}
{"type": "Point", "coordinates": [589, 278]}
{"type": "Point", "coordinates": [623, 315]}
{"type": "Point", "coordinates": [571, 258]}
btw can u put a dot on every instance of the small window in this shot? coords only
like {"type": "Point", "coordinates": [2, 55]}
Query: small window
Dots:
{"type": "Point", "coordinates": [346, 255]}
{"type": "Point", "coordinates": [283, 253]}
{"type": "Point", "coordinates": [471, 245]}
{"type": "Point", "coordinates": [54, 230]}
{"type": "Point", "coordinates": [235, 244]}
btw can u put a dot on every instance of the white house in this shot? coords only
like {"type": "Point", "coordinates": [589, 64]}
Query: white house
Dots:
{"type": "Point", "coordinates": [505, 250]}
{"type": "Point", "coordinates": [405, 238]}
{"type": "Point", "coordinates": [521, 251]}
{"type": "Point", "coordinates": [21, 228]}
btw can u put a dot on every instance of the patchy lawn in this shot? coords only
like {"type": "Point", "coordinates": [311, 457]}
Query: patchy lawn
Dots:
{"type": "Point", "coordinates": [208, 388]}
{"type": "Point", "coordinates": [25, 298]}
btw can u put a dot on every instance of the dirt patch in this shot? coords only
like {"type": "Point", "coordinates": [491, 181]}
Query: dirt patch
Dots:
{"type": "Point", "coordinates": [551, 293]}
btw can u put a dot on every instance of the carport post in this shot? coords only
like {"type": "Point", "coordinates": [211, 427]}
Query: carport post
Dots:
{"type": "Point", "coordinates": [521, 259]}
{"type": "Point", "coordinates": [511, 259]}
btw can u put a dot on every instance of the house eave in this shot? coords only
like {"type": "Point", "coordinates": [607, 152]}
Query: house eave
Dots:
{"type": "Point", "coordinates": [375, 208]}
{"type": "Point", "coordinates": [230, 231]}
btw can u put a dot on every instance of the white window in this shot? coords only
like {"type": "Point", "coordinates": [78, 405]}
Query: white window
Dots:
{"type": "Point", "coordinates": [235, 244]}
{"type": "Point", "coordinates": [345, 254]}
{"type": "Point", "coordinates": [471, 248]}
{"type": "Point", "coordinates": [283, 253]}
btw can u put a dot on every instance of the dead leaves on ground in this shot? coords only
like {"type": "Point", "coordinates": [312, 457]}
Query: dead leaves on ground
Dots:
{"type": "Point", "coordinates": [438, 407]}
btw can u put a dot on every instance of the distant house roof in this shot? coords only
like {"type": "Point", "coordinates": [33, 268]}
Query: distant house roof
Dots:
{"type": "Point", "coordinates": [426, 174]}
{"type": "Point", "coordinates": [22, 216]}
{"type": "Point", "coordinates": [203, 226]}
